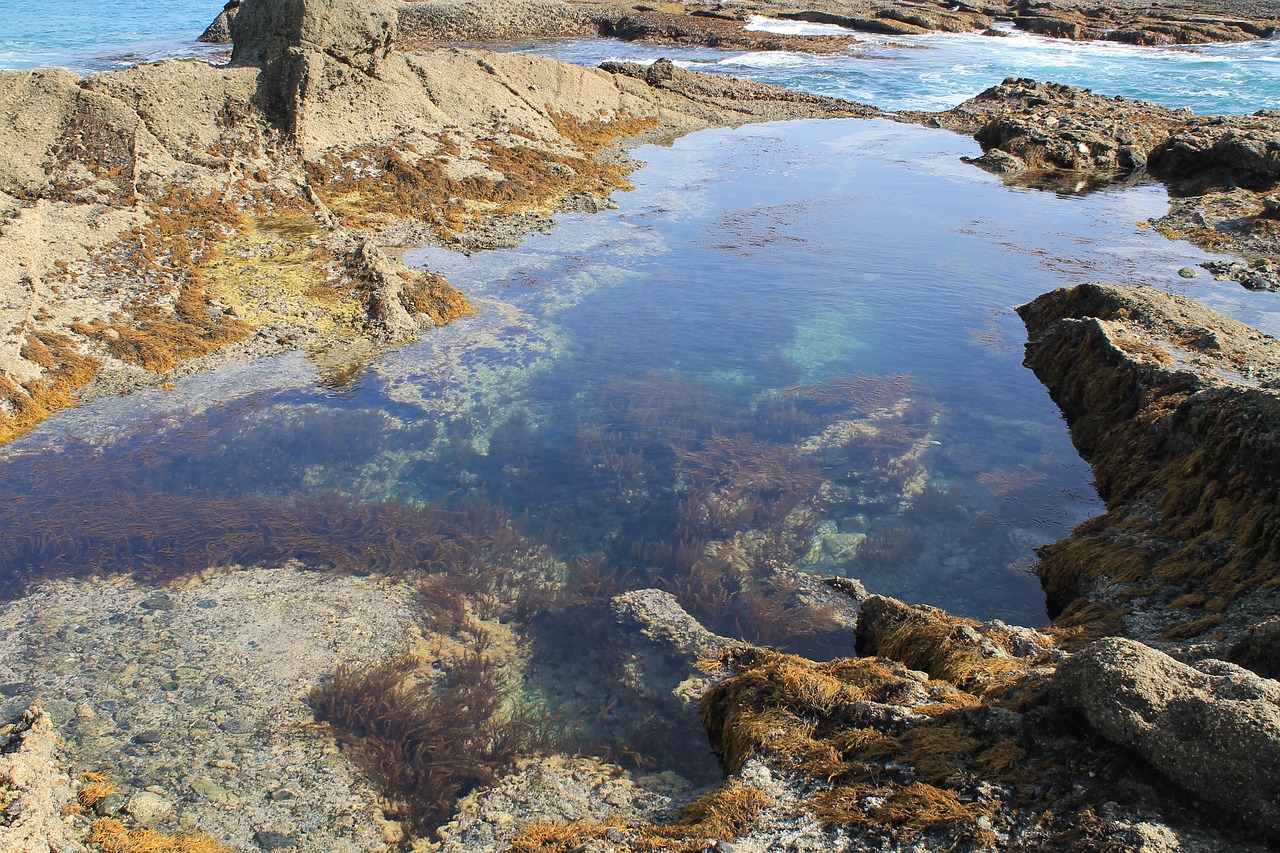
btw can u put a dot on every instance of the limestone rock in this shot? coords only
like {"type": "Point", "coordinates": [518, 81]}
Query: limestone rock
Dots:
{"type": "Point", "coordinates": [357, 33]}
{"type": "Point", "coordinates": [34, 788]}
{"type": "Point", "coordinates": [1213, 728]}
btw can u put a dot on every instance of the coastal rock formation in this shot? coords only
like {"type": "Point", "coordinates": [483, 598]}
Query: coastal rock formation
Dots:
{"type": "Point", "coordinates": [707, 31]}
{"type": "Point", "coordinates": [1023, 125]}
{"type": "Point", "coordinates": [1173, 406]}
{"type": "Point", "coordinates": [424, 22]}
{"type": "Point", "coordinates": [258, 199]}
{"type": "Point", "coordinates": [1221, 150]}
{"type": "Point", "coordinates": [982, 749]}
{"type": "Point", "coordinates": [34, 788]}
{"type": "Point", "coordinates": [219, 32]}
{"type": "Point", "coordinates": [561, 789]}
{"type": "Point", "coordinates": [1213, 728]}
{"type": "Point", "coordinates": [1224, 168]}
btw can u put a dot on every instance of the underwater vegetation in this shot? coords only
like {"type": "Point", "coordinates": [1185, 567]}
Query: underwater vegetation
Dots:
{"type": "Point", "coordinates": [425, 743]}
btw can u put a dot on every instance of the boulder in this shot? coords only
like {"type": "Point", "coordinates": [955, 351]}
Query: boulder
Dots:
{"type": "Point", "coordinates": [357, 33]}
{"type": "Point", "coordinates": [219, 32]}
{"type": "Point", "coordinates": [1229, 149]}
{"type": "Point", "coordinates": [1213, 728]}
{"type": "Point", "coordinates": [1174, 406]}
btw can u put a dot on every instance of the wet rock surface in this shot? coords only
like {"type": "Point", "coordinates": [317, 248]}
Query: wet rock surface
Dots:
{"type": "Point", "coordinates": [1222, 170]}
{"type": "Point", "coordinates": [196, 714]}
{"type": "Point", "coordinates": [264, 168]}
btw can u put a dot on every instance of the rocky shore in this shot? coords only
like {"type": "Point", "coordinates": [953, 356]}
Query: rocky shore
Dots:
{"type": "Point", "coordinates": [166, 218]}
{"type": "Point", "coordinates": [263, 203]}
{"type": "Point", "coordinates": [1222, 171]}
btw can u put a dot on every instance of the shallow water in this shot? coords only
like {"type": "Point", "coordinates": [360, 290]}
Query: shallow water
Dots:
{"type": "Point", "coordinates": [750, 270]}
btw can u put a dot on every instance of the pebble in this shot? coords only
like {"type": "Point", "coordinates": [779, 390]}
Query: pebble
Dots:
{"type": "Point", "coordinates": [149, 809]}
{"type": "Point", "coordinates": [110, 804]}
{"type": "Point", "coordinates": [274, 840]}
{"type": "Point", "coordinates": [1187, 272]}
{"type": "Point", "coordinates": [148, 690]}
{"type": "Point", "coordinates": [157, 601]}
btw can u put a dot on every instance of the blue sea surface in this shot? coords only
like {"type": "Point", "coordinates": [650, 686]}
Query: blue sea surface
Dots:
{"type": "Point", "coordinates": [938, 71]}
{"type": "Point", "coordinates": [749, 274]}
{"type": "Point", "coordinates": [89, 36]}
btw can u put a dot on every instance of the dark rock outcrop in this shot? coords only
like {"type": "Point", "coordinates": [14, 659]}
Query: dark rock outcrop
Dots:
{"type": "Point", "coordinates": [219, 32]}
{"type": "Point", "coordinates": [1213, 728]}
{"type": "Point", "coordinates": [1027, 125]}
{"type": "Point", "coordinates": [1241, 150]}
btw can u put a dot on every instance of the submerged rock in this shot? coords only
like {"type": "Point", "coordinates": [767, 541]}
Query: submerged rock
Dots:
{"type": "Point", "coordinates": [1213, 728]}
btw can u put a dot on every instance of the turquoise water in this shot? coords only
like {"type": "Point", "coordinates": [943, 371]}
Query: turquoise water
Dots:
{"type": "Point", "coordinates": [938, 71]}
{"type": "Point", "coordinates": [928, 72]}
{"type": "Point", "coordinates": [102, 35]}
{"type": "Point", "coordinates": [790, 349]}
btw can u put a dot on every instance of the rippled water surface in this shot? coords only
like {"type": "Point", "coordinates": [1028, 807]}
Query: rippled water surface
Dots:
{"type": "Point", "coordinates": [796, 332]}
{"type": "Point", "coordinates": [940, 70]}
{"type": "Point", "coordinates": [101, 35]}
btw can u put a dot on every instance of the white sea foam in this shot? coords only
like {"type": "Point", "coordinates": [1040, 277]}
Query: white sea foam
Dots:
{"type": "Point", "coordinates": [771, 59]}
{"type": "Point", "coordinates": [759, 23]}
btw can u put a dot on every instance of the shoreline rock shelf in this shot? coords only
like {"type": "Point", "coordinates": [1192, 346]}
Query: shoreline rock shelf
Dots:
{"type": "Point", "coordinates": [162, 219]}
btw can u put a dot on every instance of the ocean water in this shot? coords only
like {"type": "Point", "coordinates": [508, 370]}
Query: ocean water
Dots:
{"type": "Point", "coordinates": [103, 35]}
{"type": "Point", "coordinates": [791, 345]}
{"type": "Point", "coordinates": [940, 70]}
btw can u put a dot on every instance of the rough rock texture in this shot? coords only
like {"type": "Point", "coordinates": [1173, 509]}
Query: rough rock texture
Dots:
{"type": "Point", "coordinates": [193, 701]}
{"type": "Point", "coordinates": [1214, 728]}
{"type": "Point", "coordinates": [219, 32]}
{"type": "Point", "coordinates": [1236, 149]}
{"type": "Point", "coordinates": [663, 646]}
{"type": "Point", "coordinates": [1052, 126]}
{"type": "Point", "coordinates": [559, 788]}
{"type": "Point", "coordinates": [34, 788]}
{"type": "Point", "coordinates": [1050, 136]}
{"type": "Point", "coordinates": [663, 28]}
{"type": "Point", "coordinates": [435, 21]}
{"type": "Point", "coordinates": [718, 93]}
{"type": "Point", "coordinates": [1173, 405]}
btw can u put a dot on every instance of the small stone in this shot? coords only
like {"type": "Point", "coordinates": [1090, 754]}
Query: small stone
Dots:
{"type": "Point", "coordinates": [148, 809]}
{"type": "Point", "coordinates": [214, 792]}
{"type": "Point", "coordinates": [207, 604]}
{"type": "Point", "coordinates": [282, 794]}
{"type": "Point", "coordinates": [235, 727]}
{"type": "Point", "coordinates": [274, 840]}
{"type": "Point", "coordinates": [1187, 272]}
{"type": "Point", "coordinates": [157, 601]}
{"type": "Point", "coordinates": [147, 736]}
{"type": "Point", "coordinates": [110, 804]}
